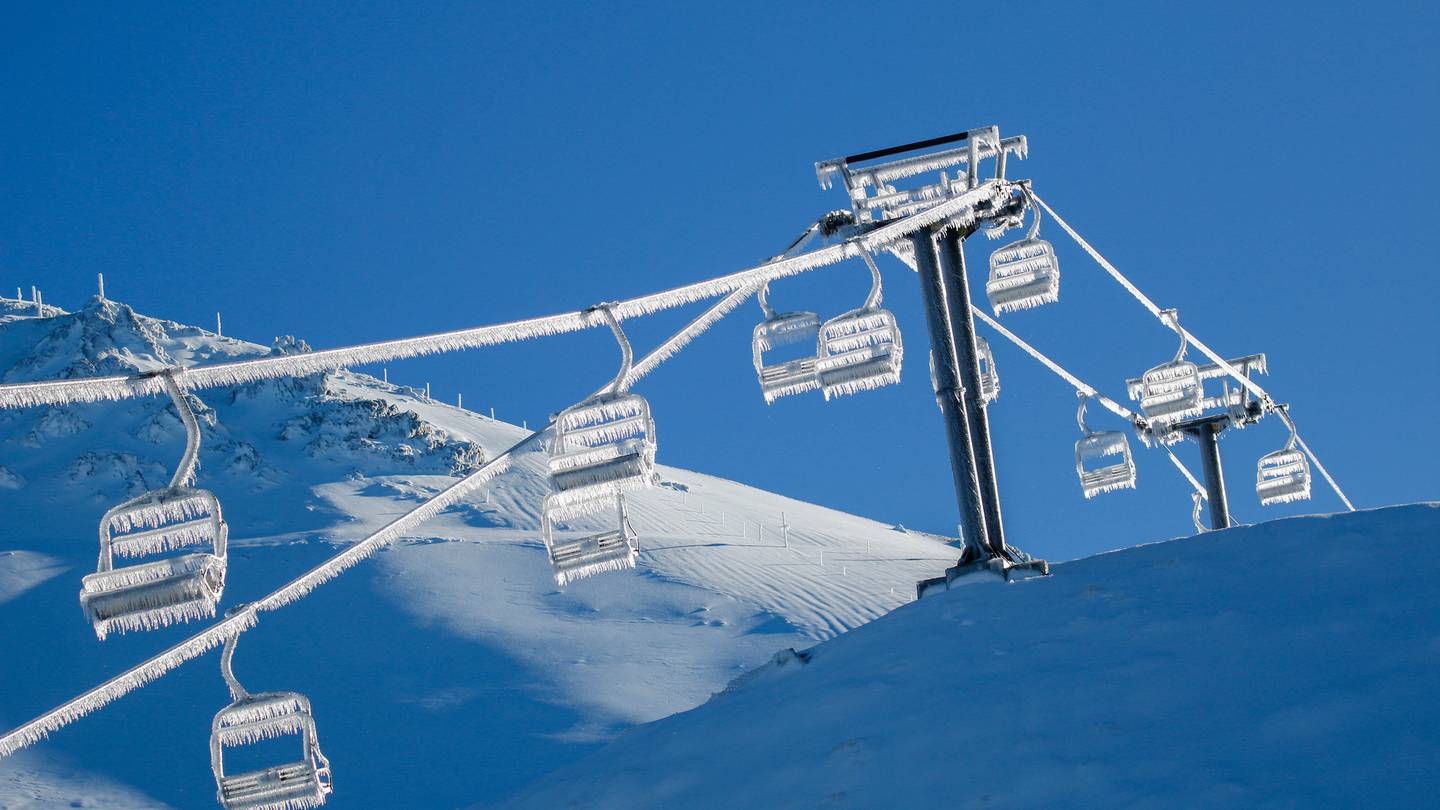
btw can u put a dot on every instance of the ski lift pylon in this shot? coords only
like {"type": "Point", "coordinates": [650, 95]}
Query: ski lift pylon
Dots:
{"type": "Point", "coordinates": [779, 378]}
{"type": "Point", "coordinates": [1284, 475]}
{"type": "Point", "coordinates": [1170, 391]}
{"type": "Point", "coordinates": [252, 718]}
{"type": "Point", "coordinates": [861, 349]}
{"type": "Point", "coordinates": [1102, 458]}
{"type": "Point", "coordinates": [1026, 273]}
{"type": "Point", "coordinates": [166, 590]}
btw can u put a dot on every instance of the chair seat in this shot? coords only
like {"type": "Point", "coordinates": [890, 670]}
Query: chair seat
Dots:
{"type": "Point", "coordinates": [292, 785]}
{"type": "Point", "coordinates": [153, 594]}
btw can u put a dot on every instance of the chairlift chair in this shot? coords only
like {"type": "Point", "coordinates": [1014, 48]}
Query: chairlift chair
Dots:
{"type": "Point", "coordinates": [1284, 475]}
{"type": "Point", "coordinates": [603, 445]}
{"type": "Point", "coordinates": [989, 375]}
{"type": "Point", "coordinates": [1170, 391]}
{"type": "Point", "coordinates": [1026, 273]}
{"type": "Point", "coordinates": [251, 718]}
{"type": "Point", "coordinates": [860, 349]}
{"type": "Point", "coordinates": [608, 550]}
{"type": "Point", "coordinates": [1102, 458]}
{"type": "Point", "coordinates": [779, 378]}
{"type": "Point", "coordinates": [166, 590]}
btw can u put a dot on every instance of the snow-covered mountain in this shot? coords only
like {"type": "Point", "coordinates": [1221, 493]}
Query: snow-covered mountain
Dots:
{"type": "Point", "coordinates": [447, 671]}
{"type": "Point", "coordinates": [1286, 665]}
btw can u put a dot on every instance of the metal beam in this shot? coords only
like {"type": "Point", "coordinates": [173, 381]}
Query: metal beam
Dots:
{"type": "Point", "coordinates": [950, 395]}
{"type": "Point", "coordinates": [962, 327]}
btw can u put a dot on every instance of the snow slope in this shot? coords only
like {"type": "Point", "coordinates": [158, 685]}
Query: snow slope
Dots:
{"type": "Point", "coordinates": [1288, 665]}
{"type": "Point", "coordinates": [445, 671]}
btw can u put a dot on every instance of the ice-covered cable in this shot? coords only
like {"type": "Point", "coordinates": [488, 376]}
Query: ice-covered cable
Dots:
{"type": "Point", "coordinates": [1154, 308]}
{"type": "Point", "coordinates": [1087, 389]}
{"type": "Point", "coordinates": [681, 339]}
{"type": "Point", "coordinates": [1300, 440]}
{"type": "Point", "coordinates": [124, 683]}
{"type": "Point", "coordinates": [1241, 378]}
{"type": "Point", "coordinates": [959, 211]}
{"type": "Point", "coordinates": [1075, 382]}
{"type": "Point", "coordinates": [215, 635]}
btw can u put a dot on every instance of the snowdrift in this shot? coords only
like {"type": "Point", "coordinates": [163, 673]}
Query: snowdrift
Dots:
{"type": "Point", "coordinates": [1289, 664]}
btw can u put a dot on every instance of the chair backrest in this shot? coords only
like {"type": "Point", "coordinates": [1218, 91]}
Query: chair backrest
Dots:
{"type": "Point", "coordinates": [602, 420]}
{"type": "Point", "coordinates": [162, 520]}
{"type": "Point", "coordinates": [263, 716]}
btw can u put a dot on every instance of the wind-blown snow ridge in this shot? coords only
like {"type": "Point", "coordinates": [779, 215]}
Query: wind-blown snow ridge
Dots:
{"type": "Point", "coordinates": [958, 212]}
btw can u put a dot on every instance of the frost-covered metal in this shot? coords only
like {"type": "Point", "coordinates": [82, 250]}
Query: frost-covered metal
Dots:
{"type": "Point", "coordinates": [1026, 273]}
{"type": "Point", "coordinates": [1170, 391]}
{"type": "Point", "coordinates": [575, 558]}
{"type": "Point", "coordinates": [796, 331]}
{"type": "Point", "coordinates": [171, 589]}
{"type": "Point", "coordinates": [989, 374]}
{"type": "Point", "coordinates": [1284, 475]}
{"type": "Point", "coordinates": [294, 785]}
{"type": "Point", "coordinates": [959, 211]}
{"type": "Point", "coordinates": [1102, 458]}
{"type": "Point", "coordinates": [39, 727]}
{"type": "Point", "coordinates": [604, 446]}
{"type": "Point", "coordinates": [861, 350]}
{"type": "Point", "coordinates": [874, 196]}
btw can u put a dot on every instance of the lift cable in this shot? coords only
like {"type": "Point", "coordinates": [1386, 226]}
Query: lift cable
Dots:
{"type": "Point", "coordinates": [959, 211]}
{"type": "Point", "coordinates": [1173, 324]}
{"type": "Point", "coordinates": [245, 617]}
{"type": "Point", "coordinates": [1089, 390]}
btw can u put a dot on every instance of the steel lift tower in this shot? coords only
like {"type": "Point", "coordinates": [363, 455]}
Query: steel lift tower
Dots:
{"type": "Point", "coordinates": [936, 252]}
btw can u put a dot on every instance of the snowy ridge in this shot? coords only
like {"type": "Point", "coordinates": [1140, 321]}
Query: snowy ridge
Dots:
{"type": "Point", "coordinates": [1165, 675]}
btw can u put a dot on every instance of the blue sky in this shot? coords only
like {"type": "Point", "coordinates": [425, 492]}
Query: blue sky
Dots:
{"type": "Point", "coordinates": [352, 172]}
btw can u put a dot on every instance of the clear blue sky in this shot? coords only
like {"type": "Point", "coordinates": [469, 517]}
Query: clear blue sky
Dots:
{"type": "Point", "coordinates": [352, 172]}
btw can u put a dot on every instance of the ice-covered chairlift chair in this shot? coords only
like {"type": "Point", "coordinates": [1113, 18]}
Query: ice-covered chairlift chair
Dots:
{"type": "Point", "coordinates": [1169, 392]}
{"type": "Point", "coordinates": [989, 375]}
{"type": "Point", "coordinates": [607, 550]}
{"type": "Point", "coordinates": [861, 349]}
{"type": "Point", "coordinates": [785, 377]}
{"type": "Point", "coordinates": [252, 718]}
{"type": "Point", "coordinates": [1102, 458]}
{"type": "Point", "coordinates": [603, 447]}
{"type": "Point", "coordinates": [1284, 475]}
{"type": "Point", "coordinates": [1026, 273]}
{"type": "Point", "coordinates": [169, 589]}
